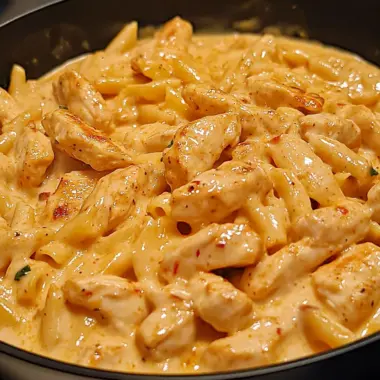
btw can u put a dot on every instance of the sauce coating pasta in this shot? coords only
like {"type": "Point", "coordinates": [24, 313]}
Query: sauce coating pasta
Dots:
{"type": "Point", "coordinates": [191, 203]}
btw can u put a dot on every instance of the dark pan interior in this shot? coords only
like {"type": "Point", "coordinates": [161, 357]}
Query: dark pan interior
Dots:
{"type": "Point", "coordinates": [44, 39]}
{"type": "Point", "coordinates": [50, 36]}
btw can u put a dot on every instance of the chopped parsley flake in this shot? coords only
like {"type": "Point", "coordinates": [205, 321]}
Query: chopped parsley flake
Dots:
{"type": "Point", "coordinates": [170, 144]}
{"type": "Point", "coordinates": [63, 107]}
{"type": "Point", "coordinates": [373, 171]}
{"type": "Point", "coordinates": [22, 272]}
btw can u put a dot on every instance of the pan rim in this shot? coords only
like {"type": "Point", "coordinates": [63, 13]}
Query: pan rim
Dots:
{"type": "Point", "coordinates": [75, 369]}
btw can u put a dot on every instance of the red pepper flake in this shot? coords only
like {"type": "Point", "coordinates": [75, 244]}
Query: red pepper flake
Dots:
{"type": "Point", "coordinates": [44, 196]}
{"type": "Point", "coordinates": [275, 139]}
{"type": "Point", "coordinates": [98, 138]}
{"type": "Point", "coordinates": [138, 291]}
{"type": "Point", "coordinates": [175, 268]}
{"type": "Point", "coordinates": [221, 244]}
{"type": "Point", "coordinates": [342, 210]}
{"type": "Point", "coordinates": [60, 211]}
{"type": "Point", "coordinates": [279, 331]}
{"type": "Point", "coordinates": [198, 253]}
{"type": "Point", "coordinates": [88, 293]}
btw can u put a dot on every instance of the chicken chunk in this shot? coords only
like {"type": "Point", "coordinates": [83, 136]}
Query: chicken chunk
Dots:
{"type": "Point", "coordinates": [214, 247]}
{"type": "Point", "coordinates": [108, 205]}
{"type": "Point", "coordinates": [81, 99]}
{"type": "Point", "coordinates": [71, 135]}
{"type": "Point", "coordinates": [368, 123]}
{"type": "Point", "coordinates": [332, 126]}
{"type": "Point", "coordinates": [251, 151]}
{"type": "Point", "coordinates": [333, 225]}
{"type": "Point", "coordinates": [198, 145]}
{"type": "Point", "coordinates": [8, 107]}
{"type": "Point", "coordinates": [167, 331]}
{"type": "Point", "coordinates": [67, 200]}
{"type": "Point", "coordinates": [350, 285]}
{"type": "Point", "coordinates": [120, 301]}
{"type": "Point", "coordinates": [324, 232]}
{"type": "Point", "coordinates": [253, 347]}
{"type": "Point", "coordinates": [220, 304]}
{"type": "Point", "coordinates": [176, 34]}
{"type": "Point", "coordinates": [274, 95]}
{"type": "Point", "coordinates": [215, 194]}
{"type": "Point", "coordinates": [204, 100]}
{"type": "Point", "coordinates": [34, 154]}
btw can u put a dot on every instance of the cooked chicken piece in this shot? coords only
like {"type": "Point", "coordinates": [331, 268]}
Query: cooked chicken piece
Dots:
{"type": "Point", "coordinates": [350, 285]}
{"type": "Point", "coordinates": [109, 204]}
{"type": "Point", "coordinates": [204, 100]}
{"type": "Point", "coordinates": [251, 151]}
{"type": "Point", "coordinates": [149, 138]}
{"type": "Point", "coordinates": [67, 200]}
{"type": "Point", "coordinates": [215, 194]}
{"type": "Point", "coordinates": [291, 152]}
{"type": "Point", "coordinates": [71, 135]}
{"type": "Point", "coordinates": [8, 107]}
{"type": "Point", "coordinates": [335, 127]}
{"type": "Point", "coordinates": [260, 121]}
{"type": "Point", "coordinates": [198, 145]}
{"type": "Point", "coordinates": [333, 225]}
{"type": "Point", "coordinates": [33, 155]}
{"type": "Point", "coordinates": [21, 243]}
{"type": "Point", "coordinates": [167, 331]}
{"type": "Point", "coordinates": [368, 123]}
{"type": "Point", "coordinates": [120, 301]}
{"type": "Point", "coordinates": [81, 98]}
{"type": "Point", "coordinates": [249, 348]}
{"type": "Point", "coordinates": [214, 247]}
{"type": "Point", "coordinates": [176, 33]}
{"type": "Point", "coordinates": [220, 304]}
{"type": "Point", "coordinates": [324, 233]}
{"type": "Point", "coordinates": [374, 202]}
{"type": "Point", "coordinates": [272, 94]}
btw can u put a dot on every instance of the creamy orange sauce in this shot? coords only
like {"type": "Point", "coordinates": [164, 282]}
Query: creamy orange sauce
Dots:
{"type": "Point", "coordinates": [189, 204]}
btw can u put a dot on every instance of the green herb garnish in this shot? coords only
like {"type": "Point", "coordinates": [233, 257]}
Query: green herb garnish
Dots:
{"type": "Point", "coordinates": [170, 144]}
{"type": "Point", "coordinates": [61, 107]}
{"type": "Point", "coordinates": [373, 171]}
{"type": "Point", "coordinates": [22, 272]}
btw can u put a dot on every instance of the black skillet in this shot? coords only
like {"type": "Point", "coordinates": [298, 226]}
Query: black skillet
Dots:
{"type": "Point", "coordinates": [45, 38]}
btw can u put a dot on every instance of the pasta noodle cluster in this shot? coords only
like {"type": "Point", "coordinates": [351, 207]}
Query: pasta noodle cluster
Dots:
{"type": "Point", "coordinates": [191, 203]}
